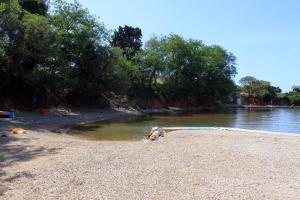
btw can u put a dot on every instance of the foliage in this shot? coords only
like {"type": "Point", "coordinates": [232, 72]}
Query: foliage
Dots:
{"type": "Point", "coordinates": [129, 39]}
{"type": "Point", "coordinates": [83, 50]}
{"type": "Point", "coordinates": [68, 56]}
{"type": "Point", "coordinates": [296, 88]}
{"type": "Point", "coordinates": [259, 89]}
{"type": "Point", "coordinates": [248, 84]}
{"type": "Point", "coordinates": [52, 56]}
{"type": "Point", "coordinates": [27, 39]}
{"type": "Point", "coordinates": [294, 95]}
{"type": "Point", "coordinates": [183, 69]}
{"type": "Point", "coordinates": [39, 7]}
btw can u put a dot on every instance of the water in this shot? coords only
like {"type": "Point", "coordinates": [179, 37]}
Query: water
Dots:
{"type": "Point", "coordinates": [135, 128]}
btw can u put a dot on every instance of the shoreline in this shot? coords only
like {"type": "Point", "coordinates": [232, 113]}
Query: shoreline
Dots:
{"type": "Point", "coordinates": [269, 106]}
{"type": "Point", "coordinates": [217, 128]}
{"type": "Point", "coordinates": [258, 131]}
{"type": "Point", "coordinates": [219, 163]}
{"type": "Point", "coordinates": [61, 122]}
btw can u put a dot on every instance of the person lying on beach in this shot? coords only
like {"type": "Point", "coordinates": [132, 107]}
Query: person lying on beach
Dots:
{"type": "Point", "coordinates": [155, 133]}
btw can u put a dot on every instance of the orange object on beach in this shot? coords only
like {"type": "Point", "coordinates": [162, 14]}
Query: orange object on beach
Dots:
{"type": "Point", "coordinates": [18, 131]}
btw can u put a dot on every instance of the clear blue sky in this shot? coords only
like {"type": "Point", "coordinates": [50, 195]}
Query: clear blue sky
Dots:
{"type": "Point", "coordinates": [264, 35]}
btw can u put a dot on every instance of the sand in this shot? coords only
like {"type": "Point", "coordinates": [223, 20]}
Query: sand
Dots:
{"type": "Point", "coordinates": [60, 120]}
{"type": "Point", "coordinates": [183, 165]}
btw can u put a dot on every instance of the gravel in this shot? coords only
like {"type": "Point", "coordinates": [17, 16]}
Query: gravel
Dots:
{"type": "Point", "coordinates": [182, 165]}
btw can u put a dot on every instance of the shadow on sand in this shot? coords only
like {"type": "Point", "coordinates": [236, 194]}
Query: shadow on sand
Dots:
{"type": "Point", "coordinates": [14, 150]}
{"type": "Point", "coordinates": [11, 153]}
{"type": "Point", "coordinates": [54, 122]}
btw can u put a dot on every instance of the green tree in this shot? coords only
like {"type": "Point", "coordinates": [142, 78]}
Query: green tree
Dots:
{"type": "Point", "coordinates": [27, 40]}
{"type": "Point", "coordinates": [296, 88]}
{"type": "Point", "coordinates": [273, 93]}
{"type": "Point", "coordinates": [129, 39]}
{"type": "Point", "coordinates": [83, 50]}
{"type": "Point", "coordinates": [294, 95]}
{"type": "Point", "coordinates": [259, 89]}
{"type": "Point", "coordinates": [39, 7]}
{"type": "Point", "coordinates": [182, 69]}
{"type": "Point", "coordinates": [66, 56]}
{"type": "Point", "coordinates": [52, 57]}
{"type": "Point", "coordinates": [248, 84]}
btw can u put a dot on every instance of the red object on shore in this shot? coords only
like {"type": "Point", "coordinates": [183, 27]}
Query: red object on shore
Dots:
{"type": "Point", "coordinates": [7, 115]}
{"type": "Point", "coordinates": [45, 113]}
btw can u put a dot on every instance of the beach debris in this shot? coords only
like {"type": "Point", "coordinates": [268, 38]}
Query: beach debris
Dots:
{"type": "Point", "coordinates": [57, 131]}
{"type": "Point", "coordinates": [155, 133]}
{"type": "Point", "coordinates": [18, 131]}
{"type": "Point", "coordinates": [45, 113]}
{"type": "Point", "coordinates": [7, 115]}
{"type": "Point", "coordinates": [175, 109]}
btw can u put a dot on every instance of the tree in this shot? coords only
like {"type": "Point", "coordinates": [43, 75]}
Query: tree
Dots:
{"type": "Point", "coordinates": [182, 69]}
{"type": "Point", "coordinates": [248, 84]}
{"type": "Point", "coordinates": [296, 88]}
{"type": "Point", "coordinates": [259, 89]}
{"type": "Point", "coordinates": [53, 56]}
{"type": "Point", "coordinates": [129, 39]}
{"type": "Point", "coordinates": [66, 56]}
{"type": "Point", "coordinates": [273, 92]}
{"type": "Point", "coordinates": [39, 7]}
{"type": "Point", "coordinates": [27, 40]}
{"type": "Point", "coordinates": [294, 95]}
{"type": "Point", "coordinates": [83, 50]}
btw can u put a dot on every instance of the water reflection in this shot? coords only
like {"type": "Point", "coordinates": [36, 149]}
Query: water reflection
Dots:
{"type": "Point", "coordinates": [280, 120]}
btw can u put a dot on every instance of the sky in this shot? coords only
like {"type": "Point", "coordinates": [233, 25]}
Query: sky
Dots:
{"type": "Point", "coordinates": [264, 35]}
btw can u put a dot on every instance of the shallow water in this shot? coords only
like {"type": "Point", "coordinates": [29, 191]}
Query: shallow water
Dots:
{"type": "Point", "coordinates": [135, 128]}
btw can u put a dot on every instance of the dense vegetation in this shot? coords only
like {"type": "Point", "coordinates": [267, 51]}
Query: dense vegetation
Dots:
{"type": "Point", "coordinates": [294, 95]}
{"type": "Point", "coordinates": [262, 92]}
{"type": "Point", "coordinates": [64, 55]}
{"type": "Point", "coordinates": [259, 89]}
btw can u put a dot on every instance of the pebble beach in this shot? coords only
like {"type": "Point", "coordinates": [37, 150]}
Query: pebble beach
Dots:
{"type": "Point", "coordinates": [214, 164]}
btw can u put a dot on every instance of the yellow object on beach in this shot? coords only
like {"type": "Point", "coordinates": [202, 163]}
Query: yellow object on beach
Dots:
{"type": "Point", "coordinates": [153, 137]}
{"type": "Point", "coordinates": [18, 131]}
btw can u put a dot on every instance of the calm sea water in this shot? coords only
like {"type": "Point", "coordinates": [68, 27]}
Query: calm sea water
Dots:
{"type": "Point", "coordinates": [134, 128]}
